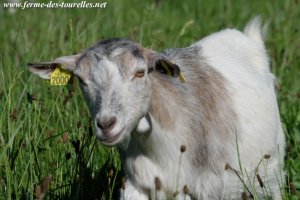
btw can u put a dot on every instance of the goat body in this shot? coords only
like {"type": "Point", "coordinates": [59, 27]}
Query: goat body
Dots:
{"type": "Point", "coordinates": [225, 114]}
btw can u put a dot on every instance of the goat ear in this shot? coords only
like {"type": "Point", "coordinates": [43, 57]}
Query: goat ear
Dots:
{"type": "Point", "coordinates": [45, 69]}
{"type": "Point", "coordinates": [157, 62]}
{"type": "Point", "coordinates": [164, 66]}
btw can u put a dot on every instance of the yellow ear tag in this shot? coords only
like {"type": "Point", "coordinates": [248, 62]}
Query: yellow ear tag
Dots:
{"type": "Point", "coordinates": [60, 77]}
{"type": "Point", "coordinates": [181, 77]}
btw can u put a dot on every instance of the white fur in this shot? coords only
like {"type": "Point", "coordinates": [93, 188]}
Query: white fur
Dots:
{"type": "Point", "coordinates": [249, 122]}
{"type": "Point", "coordinates": [242, 60]}
{"type": "Point", "coordinates": [143, 125]}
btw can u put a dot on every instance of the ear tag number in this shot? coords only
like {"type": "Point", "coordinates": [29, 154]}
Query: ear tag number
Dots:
{"type": "Point", "coordinates": [60, 77]}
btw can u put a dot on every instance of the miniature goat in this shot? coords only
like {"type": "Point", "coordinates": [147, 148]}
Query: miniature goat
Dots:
{"type": "Point", "coordinates": [225, 113]}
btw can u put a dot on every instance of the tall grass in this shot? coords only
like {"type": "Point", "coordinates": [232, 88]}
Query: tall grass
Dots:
{"type": "Point", "coordinates": [46, 140]}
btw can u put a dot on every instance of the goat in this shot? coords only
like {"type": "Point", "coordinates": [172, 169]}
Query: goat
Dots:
{"type": "Point", "coordinates": [216, 97]}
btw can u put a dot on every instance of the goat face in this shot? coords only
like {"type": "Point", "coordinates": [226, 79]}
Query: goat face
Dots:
{"type": "Point", "coordinates": [114, 78]}
{"type": "Point", "coordinates": [117, 89]}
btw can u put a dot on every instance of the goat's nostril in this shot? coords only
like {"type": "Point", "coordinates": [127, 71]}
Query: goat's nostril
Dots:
{"type": "Point", "coordinates": [99, 124]}
{"type": "Point", "coordinates": [111, 123]}
{"type": "Point", "coordinates": [106, 124]}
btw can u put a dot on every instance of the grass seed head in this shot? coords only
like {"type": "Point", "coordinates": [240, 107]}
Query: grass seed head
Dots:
{"type": "Point", "coordinates": [182, 148]}
{"type": "Point", "coordinates": [157, 183]}
{"type": "Point", "coordinates": [59, 140]}
{"type": "Point", "coordinates": [227, 166]}
{"type": "Point", "coordinates": [14, 115]}
{"type": "Point", "coordinates": [78, 124]}
{"type": "Point", "coordinates": [185, 189]}
{"type": "Point", "coordinates": [244, 196]}
{"type": "Point", "coordinates": [51, 132]}
{"type": "Point", "coordinates": [260, 180]}
{"type": "Point", "coordinates": [46, 184]}
{"type": "Point", "coordinates": [292, 188]}
{"type": "Point", "coordinates": [65, 137]}
{"type": "Point", "coordinates": [175, 194]}
{"type": "Point", "coordinates": [123, 181]}
{"type": "Point", "coordinates": [23, 145]}
{"type": "Point", "coordinates": [30, 97]}
{"type": "Point", "coordinates": [37, 191]}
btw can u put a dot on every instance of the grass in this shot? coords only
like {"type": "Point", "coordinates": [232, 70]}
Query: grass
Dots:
{"type": "Point", "coordinates": [46, 140]}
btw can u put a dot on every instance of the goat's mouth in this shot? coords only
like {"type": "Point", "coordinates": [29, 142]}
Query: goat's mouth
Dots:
{"type": "Point", "coordinates": [113, 139]}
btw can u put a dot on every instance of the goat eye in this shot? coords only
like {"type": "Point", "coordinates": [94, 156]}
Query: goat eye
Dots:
{"type": "Point", "coordinates": [140, 74]}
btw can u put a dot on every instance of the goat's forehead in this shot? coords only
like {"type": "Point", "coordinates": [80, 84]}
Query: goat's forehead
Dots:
{"type": "Point", "coordinates": [125, 54]}
{"type": "Point", "coordinates": [114, 47]}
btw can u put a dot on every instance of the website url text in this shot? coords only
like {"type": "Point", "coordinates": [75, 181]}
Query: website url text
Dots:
{"type": "Point", "coordinates": [27, 4]}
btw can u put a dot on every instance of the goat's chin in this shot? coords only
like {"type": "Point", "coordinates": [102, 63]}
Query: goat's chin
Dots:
{"type": "Point", "coordinates": [113, 139]}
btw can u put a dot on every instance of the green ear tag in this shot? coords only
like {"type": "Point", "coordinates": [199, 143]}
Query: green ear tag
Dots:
{"type": "Point", "coordinates": [60, 77]}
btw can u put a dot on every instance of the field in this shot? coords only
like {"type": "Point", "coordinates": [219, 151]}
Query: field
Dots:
{"type": "Point", "coordinates": [47, 144]}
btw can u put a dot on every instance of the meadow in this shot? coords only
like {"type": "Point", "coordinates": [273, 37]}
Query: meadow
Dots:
{"type": "Point", "coordinates": [47, 144]}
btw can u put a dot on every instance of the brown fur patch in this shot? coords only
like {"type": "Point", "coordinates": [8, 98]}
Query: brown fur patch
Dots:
{"type": "Point", "coordinates": [158, 99]}
{"type": "Point", "coordinates": [127, 60]}
{"type": "Point", "coordinates": [84, 65]}
{"type": "Point", "coordinates": [203, 102]}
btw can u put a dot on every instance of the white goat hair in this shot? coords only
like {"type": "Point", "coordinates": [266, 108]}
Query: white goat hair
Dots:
{"type": "Point", "coordinates": [225, 114]}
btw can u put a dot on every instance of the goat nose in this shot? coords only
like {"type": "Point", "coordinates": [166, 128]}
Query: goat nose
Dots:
{"type": "Point", "coordinates": [106, 123]}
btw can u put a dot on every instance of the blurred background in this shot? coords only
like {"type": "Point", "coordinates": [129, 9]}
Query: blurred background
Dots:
{"type": "Point", "coordinates": [47, 146]}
